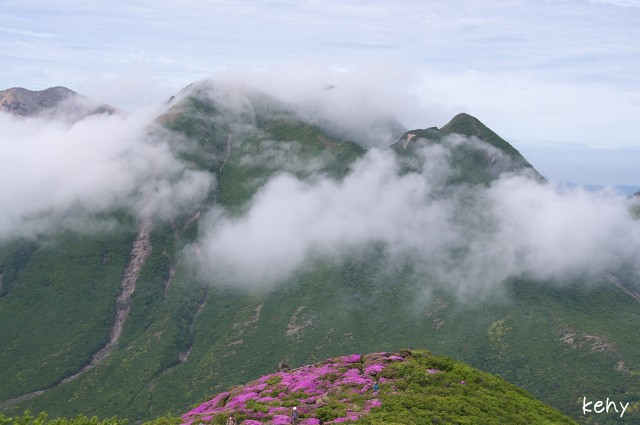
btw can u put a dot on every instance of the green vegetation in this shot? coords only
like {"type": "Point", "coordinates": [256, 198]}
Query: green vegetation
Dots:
{"type": "Point", "coordinates": [43, 419]}
{"type": "Point", "coordinates": [470, 126]}
{"type": "Point", "coordinates": [409, 387]}
{"type": "Point", "coordinates": [473, 162]}
{"type": "Point", "coordinates": [70, 277]}
{"type": "Point", "coordinates": [186, 339]}
{"type": "Point", "coordinates": [458, 394]}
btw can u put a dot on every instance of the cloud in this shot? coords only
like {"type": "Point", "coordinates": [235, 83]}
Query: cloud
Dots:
{"type": "Point", "coordinates": [361, 104]}
{"type": "Point", "coordinates": [56, 172]}
{"type": "Point", "coordinates": [622, 3]}
{"type": "Point", "coordinates": [469, 238]}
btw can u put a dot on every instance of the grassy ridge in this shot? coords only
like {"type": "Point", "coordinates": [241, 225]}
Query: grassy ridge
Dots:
{"type": "Point", "coordinates": [410, 387]}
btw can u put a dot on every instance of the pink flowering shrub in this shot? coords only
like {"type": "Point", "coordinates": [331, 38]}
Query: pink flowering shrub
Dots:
{"type": "Point", "coordinates": [354, 358]}
{"type": "Point", "coordinates": [373, 369]}
{"type": "Point", "coordinates": [338, 390]}
{"type": "Point", "coordinates": [280, 420]}
{"type": "Point", "coordinates": [373, 403]}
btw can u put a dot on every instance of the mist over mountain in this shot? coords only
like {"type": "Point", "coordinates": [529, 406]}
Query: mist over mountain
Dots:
{"type": "Point", "coordinates": [471, 213]}
{"type": "Point", "coordinates": [66, 173]}
{"type": "Point", "coordinates": [208, 238]}
{"type": "Point", "coordinates": [54, 102]}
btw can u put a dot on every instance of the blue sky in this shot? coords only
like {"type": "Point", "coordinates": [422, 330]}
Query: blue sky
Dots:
{"type": "Point", "coordinates": [559, 79]}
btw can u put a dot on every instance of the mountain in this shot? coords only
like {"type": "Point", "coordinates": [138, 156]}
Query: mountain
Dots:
{"type": "Point", "coordinates": [56, 101]}
{"type": "Point", "coordinates": [306, 246]}
{"type": "Point", "coordinates": [480, 162]}
{"type": "Point", "coordinates": [409, 387]}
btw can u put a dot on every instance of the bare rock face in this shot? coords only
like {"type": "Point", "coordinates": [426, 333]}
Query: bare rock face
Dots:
{"type": "Point", "coordinates": [54, 102]}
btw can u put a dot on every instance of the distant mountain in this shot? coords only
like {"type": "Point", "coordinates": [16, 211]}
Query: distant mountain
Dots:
{"type": "Point", "coordinates": [134, 319]}
{"type": "Point", "coordinates": [381, 388]}
{"type": "Point", "coordinates": [54, 101]}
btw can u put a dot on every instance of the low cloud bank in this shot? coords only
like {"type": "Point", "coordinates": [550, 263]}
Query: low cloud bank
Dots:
{"type": "Point", "coordinates": [55, 173]}
{"type": "Point", "coordinates": [471, 238]}
{"type": "Point", "coordinates": [357, 104]}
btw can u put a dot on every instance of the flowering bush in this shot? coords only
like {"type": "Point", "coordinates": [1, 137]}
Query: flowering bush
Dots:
{"type": "Point", "coordinates": [336, 390]}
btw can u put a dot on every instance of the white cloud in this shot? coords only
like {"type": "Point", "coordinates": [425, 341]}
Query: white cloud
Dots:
{"type": "Point", "coordinates": [563, 70]}
{"type": "Point", "coordinates": [55, 171]}
{"type": "Point", "coordinates": [360, 104]}
{"type": "Point", "coordinates": [623, 3]}
{"type": "Point", "coordinates": [470, 238]}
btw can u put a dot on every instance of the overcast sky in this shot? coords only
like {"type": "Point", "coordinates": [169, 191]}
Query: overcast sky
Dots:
{"type": "Point", "coordinates": [559, 79]}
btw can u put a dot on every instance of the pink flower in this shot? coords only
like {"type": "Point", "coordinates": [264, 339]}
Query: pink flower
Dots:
{"type": "Point", "coordinates": [241, 399]}
{"type": "Point", "coordinates": [432, 371]}
{"type": "Point", "coordinates": [266, 399]}
{"type": "Point", "coordinates": [373, 403]}
{"type": "Point", "coordinates": [373, 369]}
{"type": "Point", "coordinates": [353, 358]}
{"type": "Point", "coordinates": [280, 420]}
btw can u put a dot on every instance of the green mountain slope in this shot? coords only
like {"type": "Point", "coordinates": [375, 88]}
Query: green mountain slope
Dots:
{"type": "Point", "coordinates": [480, 160]}
{"type": "Point", "coordinates": [185, 334]}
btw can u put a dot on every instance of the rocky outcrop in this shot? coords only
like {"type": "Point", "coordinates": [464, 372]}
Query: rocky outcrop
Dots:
{"type": "Point", "coordinates": [139, 254]}
{"type": "Point", "coordinates": [59, 102]}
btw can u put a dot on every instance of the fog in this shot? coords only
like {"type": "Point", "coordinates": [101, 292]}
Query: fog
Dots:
{"type": "Point", "coordinates": [56, 173]}
{"type": "Point", "coordinates": [470, 238]}
{"type": "Point", "coordinates": [361, 104]}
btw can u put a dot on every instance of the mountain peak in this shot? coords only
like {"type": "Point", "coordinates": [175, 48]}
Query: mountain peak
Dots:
{"type": "Point", "coordinates": [57, 100]}
{"type": "Point", "coordinates": [463, 116]}
{"type": "Point", "coordinates": [471, 127]}
{"type": "Point", "coordinates": [466, 124]}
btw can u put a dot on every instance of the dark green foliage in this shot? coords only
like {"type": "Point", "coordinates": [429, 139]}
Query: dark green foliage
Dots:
{"type": "Point", "coordinates": [27, 419]}
{"type": "Point", "coordinates": [65, 278]}
{"type": "Point", "coordinates": [13, 257]}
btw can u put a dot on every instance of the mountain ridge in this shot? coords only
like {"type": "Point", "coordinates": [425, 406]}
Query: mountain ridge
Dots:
{"type": "Point", "coordinates": [541, 336]}
{"type": "Point", "coordinates": [467, 125]}
{"type": "Point", "coordinates": [408, 387]}
{"type": "Point", "coordinates": [27, 103]}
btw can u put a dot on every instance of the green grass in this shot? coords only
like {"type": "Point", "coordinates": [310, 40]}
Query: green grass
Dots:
{"type": "Point", "coordinates": [441, 398]}
{"type": "Point", "coordinates": [68, 278]}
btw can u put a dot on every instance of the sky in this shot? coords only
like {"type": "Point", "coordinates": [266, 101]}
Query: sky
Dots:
{"type": "Point", "coordinates": [558, 79]}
